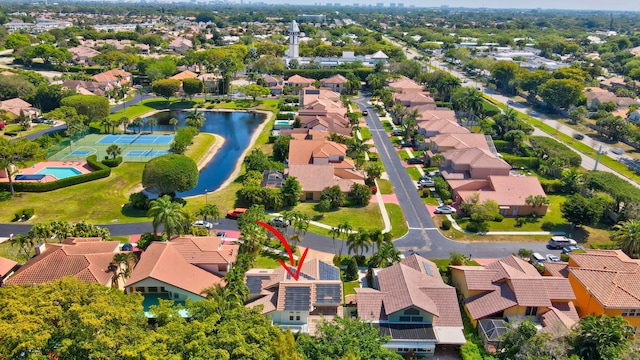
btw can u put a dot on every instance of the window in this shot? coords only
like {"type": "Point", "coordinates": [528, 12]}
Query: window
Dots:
{"type": "Point", "coordinates": [290, 317]}
{"type": "Point", "coordinates": [531, 311]}
{"type": "Point", "coordinates": [405, 318]}
{"type": "Point", "coordinates": [297, 317]}
{"type": "Point", "coordinates": [417, 319]}
{"type": "Point", "coordinates": [140, 289]}
{"type": "Point", "coordinates": [631, 312]}
{"type": "Point", "coordinates": [153, 289]}
{"type": "Point", "coordinates": [412, 312]}
{"type": "Point", "coordinates": [162, 289]}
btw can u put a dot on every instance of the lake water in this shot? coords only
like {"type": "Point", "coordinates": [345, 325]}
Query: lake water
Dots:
{"type": "Point", "coordinates": [236, 127]}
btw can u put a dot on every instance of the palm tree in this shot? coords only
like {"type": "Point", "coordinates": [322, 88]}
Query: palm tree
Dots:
{"type": "Point", "coordinates": [170, 214]}
{"type": "Point", "coordinates": [386, 255]}
{"type": "Point", "coordinates": [138, 122]}
{"type": "Point", "coordinates": [152, 122]}
{"type": "Point", "coordinates": [358, 150]}
{"type": "Point", "coordinates": [174, 122]}
{"type": "Point", "coordinates": [124, 121]}
{"type": "Point", "coordinates": [627, 235]}
{"type": "Point", "coordinates": [376, 236]}
{"type": "Point", "coordinates": [195, 118]}
{"type": "Point", "coordinates": [209, 210]}
{"type": "Point", "coordinates": [124, 262]}
{"type": "Point", "coordinates": [470, 101]}
{"type": "Point", "coordinates": [114, 151]}
{"type": "Point", "coordinates": [358, 242]}
{"type": "Point", "coordinates": [252, 237]}
{"type": "Point", "coordinates": [457, 259]}
{"type": "Point", "coordinates": [106, 123]}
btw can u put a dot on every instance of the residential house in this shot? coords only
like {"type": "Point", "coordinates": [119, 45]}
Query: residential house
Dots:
{"type": "Point", "coordinates": [411, 304]}
{"type": "Point", "coordinates": [182, 268]}
{"type": "Point", "coordinates": [405, 85]}
{"type": "Point", "coordinates": [443, 142]}
{"type": "Point", "coordinates": [297, 304]}
{"type": "Point", "coordinates": [16, 105]}
{"type": "Point", "coordinates": [180, 45]}
{"type": "Point", "coordinates": [310, 96]}
{"type": "Point", "coordinates": [7, 268]}
{"type": "Point", "coordinates": [433, 128]}
{"type": "Point", "coordinates": [472, 163]}
{"type": "Point", "coordinates": [306, 134]}
{"type": "Point", "coordinates": [297, 82]}
{"type": "Point", "coordinates": [87, 87]}
{"type": "Point", "coordinates": [427, 114]}
{"type": "Point", "coordinates": [184, 75]}
{"type": "Point", "coordinates": [510, 192]}
{"type": "Point", "coordinates": [86, 259]}
{"type": "Point", "coordinates": [597, 96]}
{"type": "Point", "coordinates": [410, 99]}
{"type": "Point", "coordinates": [274, 84]}
{"type": "Point", "coordinates": [635, 51]}
{"type": "Point", "coordinates": [83, 55]}
{"type": "Point", "coordinates": [604, 282]}
{"type": "Point", "coordinates": [512, 289]}
{"type": "Point", "coordinates": [337, 83]}
{"type": "Point", "coordinates": [210, 82]}
{"type": "Point", "coordinates": [115, 77]}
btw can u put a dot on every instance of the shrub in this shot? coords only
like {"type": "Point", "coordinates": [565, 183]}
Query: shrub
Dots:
{"type": "Point", "coordinates": [351, 273]}
{"type": "Point", "coordinates": [552, 186]}
{"type": "Point", "coordinates": [477, 227]}
{"type": "Point", "coordinates": [112, 162]}
{"type": "Point", "coordinates": [564, 257]}
{"type": "Point", "coordinates": [23, 215]}
{"type": "Point", "coordinates": [374, 190]}
{"type": "Point", "coordinates": [139, 200]}
{"type": "Point", "coordinates": [446, 224]}
{"type": "Point", "coordinates": [470, 351]}
{"type": "Point", "coordinates": [337, 259]}
{"type": "Point", "coordinates": [499, 218]}
{"type": "Point", "coordinates": [198, 231]}
{"type": "Point", "coordinates": [608, 245]}
{"type": "Point", "coordinates": [360, 259]}
{"type": "Point", "coordinates": [426, 192]}
{"type": "Point", "coordinates": [11, 133]}
{"type": "Point", "coordinates": [547, 226]}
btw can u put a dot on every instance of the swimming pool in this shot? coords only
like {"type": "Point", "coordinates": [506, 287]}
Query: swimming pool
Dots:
{"type": "Point", "coordinates": [59, 172]}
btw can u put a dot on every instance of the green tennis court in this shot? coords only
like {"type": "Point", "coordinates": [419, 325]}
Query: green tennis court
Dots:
{"type": "Point", "coordinates": [133, 148]}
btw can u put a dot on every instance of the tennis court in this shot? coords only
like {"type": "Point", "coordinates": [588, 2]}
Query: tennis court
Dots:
{"type": "Point", "coordinates": [133, 147]}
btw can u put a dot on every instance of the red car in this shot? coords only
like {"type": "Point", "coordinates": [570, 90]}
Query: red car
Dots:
{"type": "Point", "coordinates": [236, 212]}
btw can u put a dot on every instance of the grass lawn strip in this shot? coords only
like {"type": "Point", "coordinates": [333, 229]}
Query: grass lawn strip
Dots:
{"type": "Point", "coordinates": [384, 186]}
{"type": "Point", "coordinates": [398, 223]}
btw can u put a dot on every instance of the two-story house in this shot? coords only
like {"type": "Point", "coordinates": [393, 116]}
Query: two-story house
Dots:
{"type": "Point", "coordinates": [337, 83]}
{"type": "Point", "coordinates": [604, 282]}
{"type": "Point", "coordinates": [297, 305]}
{"type": "Point", "coordinates": [412, 305]}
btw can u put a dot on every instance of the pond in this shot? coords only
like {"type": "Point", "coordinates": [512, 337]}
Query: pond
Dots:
{"type": "Point", "coordinates": [236, 127]}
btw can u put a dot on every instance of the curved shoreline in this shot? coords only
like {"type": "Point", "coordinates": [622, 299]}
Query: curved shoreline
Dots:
{"type": "Point", "coordinates": [218, 141]}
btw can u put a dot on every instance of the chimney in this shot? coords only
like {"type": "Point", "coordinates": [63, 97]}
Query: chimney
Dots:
{"type": "Point", "coordinates": [40, 248]}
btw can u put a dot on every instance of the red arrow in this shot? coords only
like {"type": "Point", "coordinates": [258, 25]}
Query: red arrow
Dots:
{"type": "Point", "coordinates": [288, 248]}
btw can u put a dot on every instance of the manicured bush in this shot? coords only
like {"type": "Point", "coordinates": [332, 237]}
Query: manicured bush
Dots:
{"type": "Point", "coordinates": [351, 273]}
{"type": "Point", "coordinates": [100, 171]}
{"type": "Point", "coordinates": [446, 224]}
{"type": "Point", "coordinates": [527, 162]}
{"type": "Point", "coordinates": [499, 218]}
{"type": "Point", "coordinates": [112, 162]}
{"type": "Point", "coordinates": [170, 173]}
{"type": "Point", "coordinates": [139, 201]}
{"type": "Point", "coordinates": [337, 259]}
{"type": "Point", "coordinates": [11, 133]}
{"type": "Point", "coordinates": [547, 226]}
{"type": "Point", "coordinates": [182, 139]}
{"type": "Point", "coordinates": [285, 116]}
{"type": "Point", "coordinates": [477, 227]}
{"type": "Point", "coordinates": [552, 186]}
{"type": "Point", "coordinates": [23, 215]}
{"type": "Point", "coordinates": [551, 148]}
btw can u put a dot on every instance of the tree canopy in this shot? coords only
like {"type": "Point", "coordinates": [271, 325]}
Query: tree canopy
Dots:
{"type": "Point", "coordinates": [91, 106]}
{"type": "Point", "coordinates": [170, 173]}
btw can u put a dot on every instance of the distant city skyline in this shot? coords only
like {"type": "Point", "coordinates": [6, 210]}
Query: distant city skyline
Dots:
{"type": "Point", "coordinates": [611, 5]}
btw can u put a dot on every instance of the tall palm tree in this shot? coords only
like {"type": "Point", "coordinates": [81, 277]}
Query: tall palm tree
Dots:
{"type": "Point", "coordinates": [174, 122]}
{"type": "Point", "coordinates": [358, 150]}
{"type": "Point", "coordinates": [124, 262]}
{"type": "Point", "coordinates": [138, 122]}
{"type": "Point", "coordinates": [358, 242]}
{"type": "Point", "coordinates": [386, 255]}
{"type": "Point", "coordinates": [252, 237]}
{"type": "Point", "coordinates": [209, 210]}
{"type": "Point", "coordinates": [124, 121]}
{"type": "Point", "coordinates": [114, 151]}
{"type": "Point", "coordinates": [152, 122]}
{"type": "Point", "coordinates": [195, 118]}
{"type": "Point", "coordinates": [376, 236]}
{"type": "Point", "coordinates": [170, 214]}
{"type": "Point", "coordinates": [627, 235]}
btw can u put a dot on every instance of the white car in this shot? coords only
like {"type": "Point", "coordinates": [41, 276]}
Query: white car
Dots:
{"type": "Point", "coordinates": [444, 209]}
{"type": "Point", "coordinates": [278, 222]}
{"type": "Point", "coordinates": [552, 258]}
{"type": "Point", "coordinates": [202, 224]}
{"type": "Point", "coordinates": [617, 151]}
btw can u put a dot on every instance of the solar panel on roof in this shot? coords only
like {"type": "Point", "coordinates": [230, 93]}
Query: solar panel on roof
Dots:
{"type": "Point", "coordinates": [254, 283]}
{"type": "Point", "coordinates": [328, 294]}
{"type": "Point", "coordinates": [297, 298]}
{"type": "Point", "coordinates": [328, 272]}
{"type": "Point", "coordinates": [427, 268]}
{"type": "Point", "coordinates": [302, 275]}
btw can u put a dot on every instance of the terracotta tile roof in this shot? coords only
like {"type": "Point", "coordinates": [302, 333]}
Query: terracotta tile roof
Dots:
{"type": "Point", "coordinates": [556, 323]}
{"type": "Point", "coordinates": [478, 278]}
{"type": "Point", "coordinates": [559, 269]}
{"type": "Point", "coordinates": [437, 114]}
{"type": "Point", "coordinates": [163, 262]}
{"type": "Point", "coordinates": [205, 250]}
{"type": "Point", "coordinates": [507, 190]}
{"type": "Point", "coordinates": [613, 260]}
{"type": "Point", "coordinates": [415, 281]}
{"type": "Point", "coordinates": [6, 265]}
{"type": "Point", "coordinates": [483, 305]}
{"type": "Point", "coordinates": [442, 127]}
{"type": "Point", "coordinates": [460, 141]}
{"type": "Point", "coordinates": [413, 98]}
{"type": "Point", "coordinates": [302, 152]}
{"type": "Point", "coordinates": [184, 75]}
{"type": "Point", "coordinates": [85, 260]}
{"type": "Point", "coordinates": [335, 79]}
{"type": "Point", "coordinates": [475, 158]}
{"type": "Point", "coordinates": [317, 177]}
{"type": "Point", "coordinates": [268, 301]}
{"type": "Point", "coordinates": [299, 80]}
{"type": "Point", "coordinates": [405, 84]}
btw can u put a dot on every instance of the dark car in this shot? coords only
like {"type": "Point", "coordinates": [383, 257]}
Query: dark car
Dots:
{"type": "Point", "coordinates": [397, 132]}
{"type": "Point", "coordinates": [578, 136]}
{"type": "Point", "coordinates": [365, 112]}
{"type": "Point", "coordinates": [407, 144]}
{"type": "Point", "coordinates": [415, 160]}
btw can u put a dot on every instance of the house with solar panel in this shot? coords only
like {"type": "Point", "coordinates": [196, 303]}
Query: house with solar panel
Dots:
{"type": "Point", "coordinates": [411, 304]}
{"type": "Point", "coordinates": [297, 305]}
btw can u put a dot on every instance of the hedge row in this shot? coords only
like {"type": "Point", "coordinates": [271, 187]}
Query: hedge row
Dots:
{"type": "Point", "coordinates": [318, 74]}
{"type": "Point", "coordinates": [607, 245]}
{"type": "Point", "coordinates": [100, 171]}
{"type": "Point", "coordinates": [552, 186]}
{"type": "Point", "coordinates": [521, 161]}
{"type": "Point", "coordinates": [182, 139]}
{"type": "Point", "coordinates": [112, 162]}
{"type": "Point", "coordinates": [552, 148]}
{"type": "Point", "coordinates": [470, 351]}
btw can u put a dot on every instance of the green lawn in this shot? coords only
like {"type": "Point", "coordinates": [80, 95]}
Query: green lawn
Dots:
{"type": "Point", "coordinates": [365, 133]}
{"type": "Point", "coordinates": [387, 125]}
{"type": "Point", "coordinates": [404, 155]}
{"type": "Point", "coordinates": [349, 287]}
{"type": "Point", "coordinates": [368, 217]}
{"type": "Point", "coordinates": [17, 127]}
{"type": "Point", "coordinates": [267, 260]}
{"type": "Point", "coordinates": [430, 200]}
{"type": "Point", "coordinates": [398, 223]}
{"type": "Point", "coordinates": [414, 173]}
{"type": "Point", "coordinates": [200, 145]}
{"type": "Point", "coordinates": [385, 187]}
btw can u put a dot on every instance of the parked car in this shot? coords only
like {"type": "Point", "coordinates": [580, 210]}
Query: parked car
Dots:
{"type": "Point", "coordinates": [427, 184]}
{"type": "Point", "coordinates": [445, 209]}
{"type": "Point", "coordinates": [407, 144]}
{"type": "Point", "coordinates": [559, 242]}
{"type": "Point", "coordinates": [578, 136]}
{"type": "Point", "coordinates": [202, 224]}
{"type": "Point", "coordinates": [40, 120]}
{"type": "Point", "coordinates": [552, 258]}
{"type": "Point", "coordinates": [568, 249]}
{"type": "Point", "coordinates": [537, 259]}
{"type": "Point", "coordinates": [415, 160]}
{"type": "Point", "coordinates": [425, 178]}
{"type": "Point", "coordinates": [397, 132]}
{"type": "Point", "coordinates": [365, 112]}
{"type": "Point", "coordinates": [235, 213]}
{"type": "Point", "coordinates": [221, 234]}
{"type": "Point", "coordinates": [617, 151]}
{"type": "Point", "coordinates": [278, 222]}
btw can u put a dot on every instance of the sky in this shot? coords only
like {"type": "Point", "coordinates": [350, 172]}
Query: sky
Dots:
{"type": "Point", "coordinates": [610, 5]}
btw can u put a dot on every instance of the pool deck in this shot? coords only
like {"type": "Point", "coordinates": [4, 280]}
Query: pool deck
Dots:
{"type": "Point", "coordinates": [81, 166]}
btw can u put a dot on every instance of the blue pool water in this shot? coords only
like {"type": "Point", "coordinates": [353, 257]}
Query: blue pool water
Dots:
{"type": "Point", "coordinates": [60, 172]}
{"type": "Point", "coordinates": [236, 127]}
